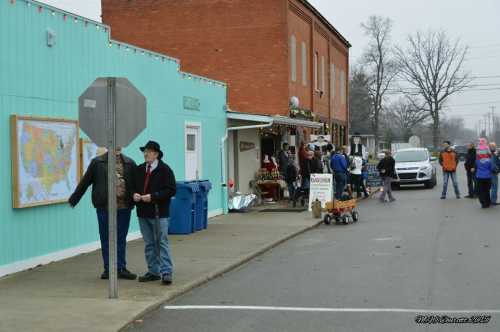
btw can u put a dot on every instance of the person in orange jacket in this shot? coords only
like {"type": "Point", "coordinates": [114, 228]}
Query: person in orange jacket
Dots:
{"type": "Point", "coordinates": [448, 159]}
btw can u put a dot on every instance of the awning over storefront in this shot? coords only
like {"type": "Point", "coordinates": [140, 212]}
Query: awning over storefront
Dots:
{"type": "Point", "coordinates": [249, 117]}
{"type": "Point", "coordinates": [283, 120]}
{"type": "Point", "coordinates": [277, 119]}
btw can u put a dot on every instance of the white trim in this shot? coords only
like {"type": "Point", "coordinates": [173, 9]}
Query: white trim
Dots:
{"type": "Point", "coordinates": [215, 213]}
{"type": "Point", "coordinates": [194, 125]}
{"type": "Point", "coordinates": [317, 309]}
{"type": "Point", "coordinates": [57, 256]}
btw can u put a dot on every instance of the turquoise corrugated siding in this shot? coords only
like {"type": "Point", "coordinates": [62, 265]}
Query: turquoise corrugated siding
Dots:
{"type": "Point", "coordinates": [41, 81]}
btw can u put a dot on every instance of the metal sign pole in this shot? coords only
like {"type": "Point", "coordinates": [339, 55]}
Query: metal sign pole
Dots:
{"type": "Point", "coordinates": [112, 210]}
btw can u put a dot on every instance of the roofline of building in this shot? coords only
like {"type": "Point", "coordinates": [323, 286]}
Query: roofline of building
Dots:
{"type": "Point", "coordinates": [112, 42]}
{"type": "Point", "coordinates": [326, 22]}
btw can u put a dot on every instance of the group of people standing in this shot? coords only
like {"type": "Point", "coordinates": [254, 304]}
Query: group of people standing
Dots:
{"type": "Point", "coordinates": [149, 187]}
{"type": "Point", "coordinates": [482, 165]}
{"type": "Point", "coordinates": [349, 171]}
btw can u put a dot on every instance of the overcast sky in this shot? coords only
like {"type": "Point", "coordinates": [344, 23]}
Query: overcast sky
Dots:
{"type": "Point", "coordinates": [476, 23]}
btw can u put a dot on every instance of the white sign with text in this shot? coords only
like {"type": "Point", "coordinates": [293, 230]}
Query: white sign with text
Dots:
{"type": "Point", "coordinates": [321, 188]}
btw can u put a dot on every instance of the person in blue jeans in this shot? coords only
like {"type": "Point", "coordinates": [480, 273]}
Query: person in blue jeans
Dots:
{"type": "Point", "coordinates": [96, 176]}
{"type": "Point", "coordinates": [338, 165]}
{"type": "Point", "coordinates": [494, 176]}
{"type": "Point", "coordinates": [154, 187]}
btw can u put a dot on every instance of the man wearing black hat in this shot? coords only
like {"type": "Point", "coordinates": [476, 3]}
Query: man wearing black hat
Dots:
{"type": "Point", "coordinates": [154, 187]}
{"type": "Point", "coordinates": [97, 176]}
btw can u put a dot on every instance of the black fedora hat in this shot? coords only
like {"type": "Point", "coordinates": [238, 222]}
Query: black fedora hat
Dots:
{"type": "Point", "coordinates": [152, 145]}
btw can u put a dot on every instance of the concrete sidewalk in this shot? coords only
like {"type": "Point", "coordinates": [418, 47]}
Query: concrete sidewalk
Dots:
{"type": "Point", "coordinates": [69, 296]}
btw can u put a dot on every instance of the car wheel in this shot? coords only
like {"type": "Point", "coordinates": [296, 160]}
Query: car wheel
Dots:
{"type": "Point", "coordinates": [327, 219]}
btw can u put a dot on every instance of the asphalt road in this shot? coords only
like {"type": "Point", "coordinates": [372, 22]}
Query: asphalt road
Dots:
{"type": "Point", "coordinates": [401, 259]}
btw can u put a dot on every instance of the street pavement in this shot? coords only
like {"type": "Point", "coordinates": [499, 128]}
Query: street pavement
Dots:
{"type": "Point", "coordinates": [69, 296]}
{"type": "Point", "coordinates": [419, 255]}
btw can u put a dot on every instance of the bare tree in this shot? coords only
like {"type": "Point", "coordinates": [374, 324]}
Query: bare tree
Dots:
{"type": "Point", "coordinates": [406, 115]}
{"type": "Point", "coordinates": [432, 66]}
{"type": "Point", "coordinates": [380, 66]}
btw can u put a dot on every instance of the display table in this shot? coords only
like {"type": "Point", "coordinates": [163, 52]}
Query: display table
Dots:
{"type": "Point", "coordinates": [272, 188]}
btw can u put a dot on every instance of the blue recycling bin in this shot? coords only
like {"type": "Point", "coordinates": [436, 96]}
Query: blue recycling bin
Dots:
{"type": "Point", "coordinates": [198, 205]}
{"type": "Point", "coordinates": [182, 209]}
{"type": "Point", "coordinates": [205, 187]}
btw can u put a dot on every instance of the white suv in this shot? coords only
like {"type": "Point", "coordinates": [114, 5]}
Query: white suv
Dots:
{"type": "Point", "coordinates": [415, 166]}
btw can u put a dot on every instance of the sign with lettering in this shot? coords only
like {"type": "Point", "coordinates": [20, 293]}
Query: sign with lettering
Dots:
{"type": "Point", "coordinates": [321, 189]}
{"type": "Point", "coordinates": [191, 103]}
{"type": "Point", "coordinates": [246, 146]}
{"type": "Point", "coordinates": [374, 179]}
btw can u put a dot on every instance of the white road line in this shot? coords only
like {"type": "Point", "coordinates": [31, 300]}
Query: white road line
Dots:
{"type": "Point", "coordinates": [312, 309]}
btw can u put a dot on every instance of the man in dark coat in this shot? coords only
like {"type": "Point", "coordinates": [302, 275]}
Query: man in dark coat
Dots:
{"type": "Point", "coordinates": [387, 170]}
{"type": "Point", "coordinates": [97, 176]}
{"type": "Point", "coordinates": [283, 158]}
{"type": "Point", "coordinates": [154, 187]}
{"type": "Point", "coordinates": [470, 164]}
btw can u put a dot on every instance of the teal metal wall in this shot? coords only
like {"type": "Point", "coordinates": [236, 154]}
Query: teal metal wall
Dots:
{"type": "Point", "coordinates": [38, 80]}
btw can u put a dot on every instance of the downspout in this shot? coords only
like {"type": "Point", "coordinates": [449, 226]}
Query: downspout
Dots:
{"type": "Point", "coordinates": [223, 158]}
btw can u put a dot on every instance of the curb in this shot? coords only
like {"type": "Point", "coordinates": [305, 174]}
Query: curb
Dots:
{"type": "Point", "coordinates": [215, 274]}
{"type": "Point", "coordinates": [219, 272]}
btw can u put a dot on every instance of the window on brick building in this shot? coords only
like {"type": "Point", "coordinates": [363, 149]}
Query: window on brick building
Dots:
{"type": "Point", "coordinates": [304, 64]}
{"type": "Point", "coordinates": [342, 87]}
{"type": "Point", "coordinates": [293, 57]}
{"type": "Point", "coordinates": [323, 74]}
{"type": "Point", "coordinates": [316, 76]}
{"type": "Point", "coordinates": [332, 81]}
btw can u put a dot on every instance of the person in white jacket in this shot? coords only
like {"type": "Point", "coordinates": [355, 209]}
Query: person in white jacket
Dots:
{"type": "Point", "coordinates": [356, 174]}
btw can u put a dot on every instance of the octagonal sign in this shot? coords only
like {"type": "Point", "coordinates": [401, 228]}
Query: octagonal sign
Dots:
{"type": "Point", "coordinates": [105, 96]}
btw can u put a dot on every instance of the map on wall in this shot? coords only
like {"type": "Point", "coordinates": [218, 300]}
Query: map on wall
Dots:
{"type": "Point", "coordinates": [89, 152]}
{"type": "Point", "coordinates": [45, 160]}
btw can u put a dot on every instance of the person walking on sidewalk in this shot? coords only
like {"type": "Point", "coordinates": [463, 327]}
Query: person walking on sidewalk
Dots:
{"type": "Point", "coordinates": [448, 159]}
{"type": "Point", "coordinates": [387, 170]}
{"type": "Point", "coordinates": [470, 167]}
{"type": "Point", "coordinates": [97, 177]}
{"type": "Point", "coordinates": [154, 187]}
{"type": "Point", "coordinates": [494, 176]}
{"type": "Point", "coordinates": [484, 173]}
{"type": "Point", "coordinates": [338, 164]}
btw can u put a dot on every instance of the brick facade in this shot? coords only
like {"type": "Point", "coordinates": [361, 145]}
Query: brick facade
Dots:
{"type": "Point", "coordinates": [246, 44]}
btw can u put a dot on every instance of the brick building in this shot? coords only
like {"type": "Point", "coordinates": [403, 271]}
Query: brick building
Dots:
{"type": "Point", "coordinates": [269, 52]}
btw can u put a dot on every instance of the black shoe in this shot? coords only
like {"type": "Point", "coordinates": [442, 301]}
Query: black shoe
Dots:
{"type": "Point", "coordinates": [443, 197]}
{"type": "Point", "coordinates": [105, 275]}
{"type": "Point", "coordinates": [469, 196]}
{"type": "Point", "coordinates": [149, 277]}
{"type": "Point", "coordinates": [126, 274]}
{"type": "Point", "coordinates": [166, 279]}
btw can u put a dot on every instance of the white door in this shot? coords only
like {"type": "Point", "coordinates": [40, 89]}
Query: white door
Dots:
{"type": "Point", "coordinates": [193, 153]}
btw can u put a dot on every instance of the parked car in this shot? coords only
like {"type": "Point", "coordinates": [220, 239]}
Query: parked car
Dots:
{"type": "Point", "coordinates": [461, 151]}
{"type": "Point", "coordinates": [415, 166]}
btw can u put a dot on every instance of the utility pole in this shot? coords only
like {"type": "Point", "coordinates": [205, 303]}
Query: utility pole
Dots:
{"type": "Point", "coordinates": [493, 123]}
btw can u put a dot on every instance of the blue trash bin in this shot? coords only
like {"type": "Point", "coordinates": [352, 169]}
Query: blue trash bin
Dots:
{"type": "Point", "coordinates": [198, 205]}
{"type": "Point", "coordinates": [182, 209]}
{"type": "Point", "coordinates": [205, 187]}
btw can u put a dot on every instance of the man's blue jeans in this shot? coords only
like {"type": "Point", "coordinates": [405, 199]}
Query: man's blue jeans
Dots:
{"type": "Point", "coordinates": [453, 176]}
{"type": "Point", "coordinates": [156, 265]}
{"type": "Point", "coordinates": [340, 182]}
{"type": "Point", "coordinates": [123, 223]}
{"type": "Point", "coordinates": [494, 188]}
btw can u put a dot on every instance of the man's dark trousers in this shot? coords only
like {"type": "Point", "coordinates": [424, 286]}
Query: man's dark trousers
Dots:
{"type": "Point", "coordinates": [123, 223]}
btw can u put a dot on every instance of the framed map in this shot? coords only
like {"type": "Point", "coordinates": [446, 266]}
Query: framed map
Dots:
{"type": "Point", "coordinates": [88, 152]}
{"type": "Point", "coordinates": [45, 160]}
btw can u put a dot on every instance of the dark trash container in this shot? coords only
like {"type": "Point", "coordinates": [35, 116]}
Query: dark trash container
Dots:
{"type": "Point", "coordinates": [205, 187]}
{"type": "Point", "coordinates": [182, 209]}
